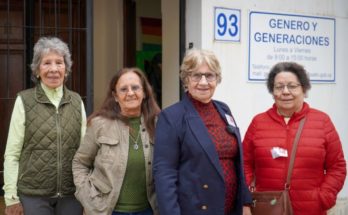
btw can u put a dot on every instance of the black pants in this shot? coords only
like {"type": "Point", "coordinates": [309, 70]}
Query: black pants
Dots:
{"type": "Point", "coordinates": [34, 205]}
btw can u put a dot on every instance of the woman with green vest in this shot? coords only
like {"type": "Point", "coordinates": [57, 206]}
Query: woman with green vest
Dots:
{"type": "Point", "coordinates": [46, 126]}
{"type": "Point", "coordinates": [113, 166]}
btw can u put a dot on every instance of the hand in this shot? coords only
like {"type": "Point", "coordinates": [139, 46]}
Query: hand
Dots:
{"type": "Point", "coordinates": [246, 210]}
{"type": "Point", "coordinates": [16, 209]}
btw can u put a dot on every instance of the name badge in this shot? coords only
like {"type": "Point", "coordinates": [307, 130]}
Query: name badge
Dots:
{"type": "Point", "coordinates": [230, 120]}
{"type": "Point", "coordinates": [279, 152]}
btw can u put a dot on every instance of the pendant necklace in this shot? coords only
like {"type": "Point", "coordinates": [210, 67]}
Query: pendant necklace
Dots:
{"type": "Point", "coordinates": [135, 145]}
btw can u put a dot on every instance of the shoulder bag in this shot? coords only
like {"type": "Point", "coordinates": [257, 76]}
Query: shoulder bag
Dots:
{"type": "Point", "coordinates": [276, 202]}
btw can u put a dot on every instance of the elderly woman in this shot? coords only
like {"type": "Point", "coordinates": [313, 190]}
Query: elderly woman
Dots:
{"type": "Point", "coordinates": [319, 169]}
{"type": "Point", "coordinates": [198, 154]}
{"type": "Point", "coordinates": [45, 131]}
{"type": "Point", "coordinates": [113, 166]}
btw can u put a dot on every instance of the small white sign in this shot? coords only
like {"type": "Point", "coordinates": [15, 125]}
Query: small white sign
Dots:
{"type": "Point", "coordinates": [307, 40]}
{"type": "Point", "coordinates": [227, 24]}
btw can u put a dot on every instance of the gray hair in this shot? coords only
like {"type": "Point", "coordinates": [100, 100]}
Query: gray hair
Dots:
{"type": "Point", "coordinates": [294, 68]}
{"type": "Point", "coordinates": [46, 45]}
{"type": "Point", "coordinates": [194, 58]}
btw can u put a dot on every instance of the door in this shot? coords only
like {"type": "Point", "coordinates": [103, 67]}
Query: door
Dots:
{"type": "Point", "coordinates": [22, 22]}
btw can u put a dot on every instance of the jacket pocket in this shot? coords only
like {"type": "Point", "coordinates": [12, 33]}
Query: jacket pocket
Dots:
{"type": "Point", "coordinates": [36, 172]}
{"type": "Point", "coordinates": [100, 182]}
{"type": "Point", "coordinates": [94, 194]}
{"type": "Point", "coordinates": [107, 149]}
{"type": "Point", "coordinates": [327, 199]}
{"type": "Point", "coordinates": [107, 140]}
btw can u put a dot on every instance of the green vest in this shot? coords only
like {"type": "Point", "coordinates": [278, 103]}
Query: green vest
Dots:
{"type": "Point", "coordinates": [50, 141]}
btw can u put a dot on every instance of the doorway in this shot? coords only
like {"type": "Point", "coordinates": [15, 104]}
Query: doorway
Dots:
{"type": "Point", "coordinates": [143, 40]}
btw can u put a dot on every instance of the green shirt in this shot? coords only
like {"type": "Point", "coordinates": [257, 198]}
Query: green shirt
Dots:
{"type": "Point", "coordinates": [133, 195]}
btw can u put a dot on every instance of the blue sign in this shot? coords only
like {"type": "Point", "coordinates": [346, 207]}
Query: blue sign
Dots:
{"type": "Point", "coordinates": [227, 24]}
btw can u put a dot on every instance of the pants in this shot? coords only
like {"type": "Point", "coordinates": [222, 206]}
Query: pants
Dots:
{"type": "Point", "coordinates": [145, 212]}
{"type": "Point", "coordinates": [34, 205]}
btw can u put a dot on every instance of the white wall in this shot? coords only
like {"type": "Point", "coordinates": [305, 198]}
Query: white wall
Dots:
{"type": "Point", "coordinates": [248, 98]}
{"type": "Point", "coordinates": [194, 23]}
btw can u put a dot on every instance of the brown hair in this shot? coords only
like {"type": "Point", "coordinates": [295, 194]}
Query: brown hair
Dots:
{"type": "Point", "coordinates": [110, 109]}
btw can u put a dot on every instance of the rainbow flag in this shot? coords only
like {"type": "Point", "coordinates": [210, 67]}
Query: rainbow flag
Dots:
{"type": "Point", "coordinates": [151, 36]}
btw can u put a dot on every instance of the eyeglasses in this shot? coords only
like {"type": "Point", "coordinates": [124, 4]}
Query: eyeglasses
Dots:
{"type": "Point", "coordinates": [197, 76]}
{"type": "Point", "coordinates": [134, 88]}
{"type": "Point", "coordinates": [49, 65]}
{"type": "Point", "coordinates": [291, 87]}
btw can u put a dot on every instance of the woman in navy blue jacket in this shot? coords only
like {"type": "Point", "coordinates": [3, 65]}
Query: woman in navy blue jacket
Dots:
{"type": "Point", "coordinates": [198, 155]}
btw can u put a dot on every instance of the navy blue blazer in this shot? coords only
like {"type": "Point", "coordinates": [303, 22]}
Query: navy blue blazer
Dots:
{"type": "Point", "coordinates": [188, 177]}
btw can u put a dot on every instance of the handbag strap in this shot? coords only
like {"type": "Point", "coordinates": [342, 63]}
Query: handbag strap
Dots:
{"type": "Point", "coordinates": [292, 158]}
{"type": "Point", "coordinates": [293, 153]}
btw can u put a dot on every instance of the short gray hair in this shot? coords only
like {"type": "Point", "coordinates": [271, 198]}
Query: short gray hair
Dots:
{"type": "Point", "coordinates": [194, 58]}
{"type": "Point", "coordinates": [46, 45]}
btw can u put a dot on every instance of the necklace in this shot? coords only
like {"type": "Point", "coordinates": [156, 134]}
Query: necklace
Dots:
{"type": "Point", "coordinates": [135, 145]}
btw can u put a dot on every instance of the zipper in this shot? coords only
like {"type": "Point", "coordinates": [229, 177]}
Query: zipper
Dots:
{"type": "Point", "coordinates": [59, 158]}
{"type": "Point", "coordinates": [288, 138]}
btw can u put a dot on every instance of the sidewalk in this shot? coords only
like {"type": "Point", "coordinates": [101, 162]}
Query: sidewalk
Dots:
{"type": "Point", "coordinates": [341, 207]}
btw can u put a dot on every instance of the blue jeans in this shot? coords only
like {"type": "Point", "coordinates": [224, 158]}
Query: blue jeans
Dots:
{"type": "Point", "coordinates": [145, 212]}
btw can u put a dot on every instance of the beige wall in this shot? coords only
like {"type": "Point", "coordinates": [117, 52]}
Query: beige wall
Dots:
{"type": "Point", "coordinates": [108, 44]}
{"type": "Point", "coordinates": [108, 47]}
{"type": "Point", "coordinates": [170, 52]}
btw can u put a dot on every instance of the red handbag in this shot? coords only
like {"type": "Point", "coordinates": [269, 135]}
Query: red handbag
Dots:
{"type": "Point", "coordinates": [276, 202]}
